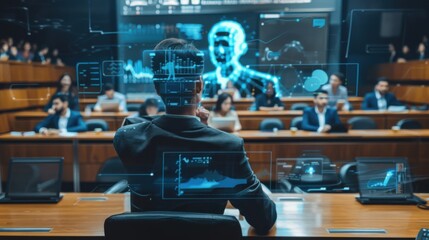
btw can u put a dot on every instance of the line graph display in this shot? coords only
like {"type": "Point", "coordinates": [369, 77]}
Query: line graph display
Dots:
{"type": "Point", "coordinates": [201, 175]}
{"type": "Point", "coordinates": [167, 65]}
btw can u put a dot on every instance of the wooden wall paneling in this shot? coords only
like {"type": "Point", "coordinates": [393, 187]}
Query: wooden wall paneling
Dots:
{"type": "Point", "coordinates": [13, 98]}
{"type": "Point", "coordinates": [21, 72]}
{"type": "Point", "coordinates": [92, 155]}
{"type": "Point", "coordinates": [40, 96]}
{"type": "Point", "coordinates": [412, 94]}
{"type": "Point", "coordinates": [4, 123]}
{"type": "Point", "coordinates": [4, 72]}
{"type": "Point", "coordinates": [42, 73]}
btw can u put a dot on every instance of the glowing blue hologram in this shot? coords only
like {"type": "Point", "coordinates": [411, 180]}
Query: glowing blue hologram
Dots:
{"type": "Point", "coordinates": [310, 170]}
{"type": "Point", "coordinates": [227, 43]}
{"type": "Point", "coordinates": [382, 183]}
{"type": "Point", "coordinates": [88, 77]}
{"type": "Point", "coordinates": [137, 71]}
{"type": "Point", "coordinates": [192, 31]}
{"type": "Point", "coordinates": [321, 75]}
{"type": "Point", "coordinates": [311, 84]}
{"type": "Point", "coordinates": [319, 22]}
{"type": "Point", "coordinates": [204, 175]}
{"type": "Point", "coordinates": [112, 68]}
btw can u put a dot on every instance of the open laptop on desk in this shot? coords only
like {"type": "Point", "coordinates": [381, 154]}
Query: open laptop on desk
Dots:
{"type": "Point", "coordinates": [109, 106]}
{"type": "Point", "coordinates": [226, 124]}
{"type": "Point", "coordinates": [385, 181]}
{"type": "Point", "coordinates": [34, 180]}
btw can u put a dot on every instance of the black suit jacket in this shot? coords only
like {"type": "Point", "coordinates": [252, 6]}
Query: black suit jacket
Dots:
{"type": "Point", "coordinates": [141, 147]}
{"type": "Point", "coordinates": [370, 101]}
{"type": "Point", "coordinates": [310, 121]}
{"type": "Point", "coordinates": [74, 124]}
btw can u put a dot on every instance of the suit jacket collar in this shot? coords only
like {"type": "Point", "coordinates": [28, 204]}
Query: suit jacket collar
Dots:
{"type": "Point", "coordinates": [177, 122]}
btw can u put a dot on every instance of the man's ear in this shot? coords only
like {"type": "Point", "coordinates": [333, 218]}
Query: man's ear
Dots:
{"type": "Point", "coordinates": [199, 86]}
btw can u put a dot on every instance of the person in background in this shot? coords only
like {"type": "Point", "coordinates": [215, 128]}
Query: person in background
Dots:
{"type": "Point", "coordinates": [393, 54]}
{"type": "Point", "coordinates": [231, 89]}
{"type": "Point", "coordinates": [141, 148]}
{"type": "Point", "coordinates": [14, 55]}
{"type": "Point", "coordinates": [337, 93]}
{"type": "Point", "coordinates": [381, 98]}
{"type": "Point", "coordinates": [65, 86]}
{"type": "Point", "coordinates": [55, 59]}
{"type": "Point", "coordinates": [223, 109]}
{"type": "Point", "coordinates": [421, 51]}
{"type": "Point", "coordinates": [26, 53]}
{"type": "Point", "coordinates": [111, 94]}
{"type": "Point", "coordinates": [4, 51]}
{"type": "Point", "coordinates": [320, 118]}
{"type": "Point", "coordinates": [405, 54]}
{"type": "Point", "coordinates": [63, 120]}
{"type": "Point", "coordinates": [150, 107]}
{"type": "Point", "coordinates": [267, 101]}
{"type": "Point", "coordinates": [41, 55]}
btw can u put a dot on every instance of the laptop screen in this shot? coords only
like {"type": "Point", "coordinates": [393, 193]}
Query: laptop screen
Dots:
{"type": "Point", "coordinates": [34, 178]}
{"type": "Point", "coordinates": [384, 177]}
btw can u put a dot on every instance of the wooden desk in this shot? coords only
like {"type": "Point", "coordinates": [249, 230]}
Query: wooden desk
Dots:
{"type": "Point", "coordinates": [250, 120]}
{"type": "Point", "coordinates": [26, 121]}
{"type": "Point", "coordinates": [310, 218]}
{"type": "Point", "coordinates": [86, 152]}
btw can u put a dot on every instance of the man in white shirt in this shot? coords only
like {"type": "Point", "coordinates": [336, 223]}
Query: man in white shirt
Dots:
{"type": "Point", "coordinates": [111, 96]}
{"type": "Point", "coordinates": [320, 118]}
{"type": "Point", "coordinates": [64, 119]}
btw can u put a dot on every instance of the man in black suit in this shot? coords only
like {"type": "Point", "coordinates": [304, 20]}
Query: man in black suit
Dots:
{"type": "Point", "coordinates": [64, 119]}
{"type": "Point", "coordinates": [320, 118]}
{"type": "Point", "coordinates": [381, 98]}
{"type": "Point", "coordinates": [142, 148]}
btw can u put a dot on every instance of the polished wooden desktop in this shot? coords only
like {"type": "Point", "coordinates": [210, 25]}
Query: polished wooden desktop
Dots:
{"type": "Point", "coordinates": [308, 216]}
{"type": "Point", "coordinates": [86, 152]}
{"type": "Point", "coordinates": [250, 120]}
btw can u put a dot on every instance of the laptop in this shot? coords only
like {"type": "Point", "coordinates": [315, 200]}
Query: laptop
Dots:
{"type": "Point", "coordinates": [339, 128]}
{"type": "Point", "coordinates": [226, 124]}
{"type": "Point", "coordinates": [34, 180]}
{"type": "Point", "coordinates": [385, 181]}
{"type": "Point", "coordinates": [109, 106]}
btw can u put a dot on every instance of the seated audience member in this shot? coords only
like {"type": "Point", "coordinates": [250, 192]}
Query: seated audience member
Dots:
{"type": "Point", "coordinates": [42, 55]}
{"type": "Point", "coordinates": [337, 93]}
{"type": "Point", "coordinates": [231, 89]}
{"type": "Point", "coordinates": [14, 55]}
{"type": "Point", "coordinates": [4, 51]}
{"type": "Point", "coordinates": [381, 98]}
{"type": "Point", "coordinates": [149, 108]}
{"type": "Point", "coordinates": [223, 109]}
{"type": "Point", "coordinates": [111, 95]}
{"type": "Point", "coordinates": [26, 53]}
{"type": "Point", "coordinates": [64, 119]}
{"type": "Point", "coordinates": [393, 54]}
{"type": "Point", "coordinates": [320, 118]}
{"type": "Point", "coordinates": [405, 55]}
{"type": "Point", "coordinates": [55, 59]}
{"type": "Point", "coordinates": [65, 86]}
{"type": "Point", "coordinates": [141, 147]}
{"type": "Point", "coordinates": [421, 51]}
{"type": "Point", "coordinates": [267, 101]}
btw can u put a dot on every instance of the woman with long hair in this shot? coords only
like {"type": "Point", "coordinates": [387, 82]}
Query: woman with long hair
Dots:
{"type": "Point", "coordinates": [223, 108]}
{"type": "Point", "coordinates": [65, 87]}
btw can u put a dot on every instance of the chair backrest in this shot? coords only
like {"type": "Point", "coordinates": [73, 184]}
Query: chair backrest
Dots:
{"type": "Point", "coordinates": [362, 123]}
{"type": "Point", "coordinates": [92, 124]}
{"type": "Point", "coordinates": [133, 107]}
{"type": "Point", "coordinates": [269, 124]}
{"type": "Point", "coordinates": [296, 122]}
{"type": "Point", "coordinates": [111, 171]}
{"type": "Point", "coordinates": [409, 124]}
{"type": "Point", "coordinates": [349, 177]}
{"type": "Point", "coordinates": [171, 225]}
{"type": "Point", "coordinates": [299, 106]}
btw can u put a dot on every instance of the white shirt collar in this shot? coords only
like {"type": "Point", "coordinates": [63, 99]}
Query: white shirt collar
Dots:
{"type": "Point", "coordinates": [323, 112]}
{"type": "Point", "coordinates": [378, 95]}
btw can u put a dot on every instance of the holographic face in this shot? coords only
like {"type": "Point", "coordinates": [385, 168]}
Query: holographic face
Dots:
{"type": "Point", "coordinates": [226, 43]}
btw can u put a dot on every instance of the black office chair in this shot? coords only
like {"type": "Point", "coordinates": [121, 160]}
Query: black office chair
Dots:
{"type": "Point", "coordinates": [299, 106]}
{"type": "Point", "coordinates": [133, 107]}
{"type": "Point", "coordinates": [269, 124]}
{"type": "Point", "coordinates": [171, 225]}
{"type": "Point", "coordinates": [360, 123]}
{"type": "Point", "coordinates": [349, 176]}
{"type": "Point", "coordinates": [111, 177]}
{"type": "Point", "coordinates": [92, 124]}
{"type": "Point", "coordinates": [409, 124]}
{"type": "Point", "coordinates": [296, 122]}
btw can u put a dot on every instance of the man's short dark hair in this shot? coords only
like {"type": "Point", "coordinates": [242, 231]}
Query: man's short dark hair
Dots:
{"type": "Point", "coordinates": [340, 76]}
{"type": "Point", "coordinates": [381, 79]}
{"type": "Point", "coordinates": [61, 96]}
{"type": "Point", "coordinates": [318, 92]}
{"type": "Point", "coordinates": [175, 44]}
{"type": "Point", "coordinates": [108, 87]}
